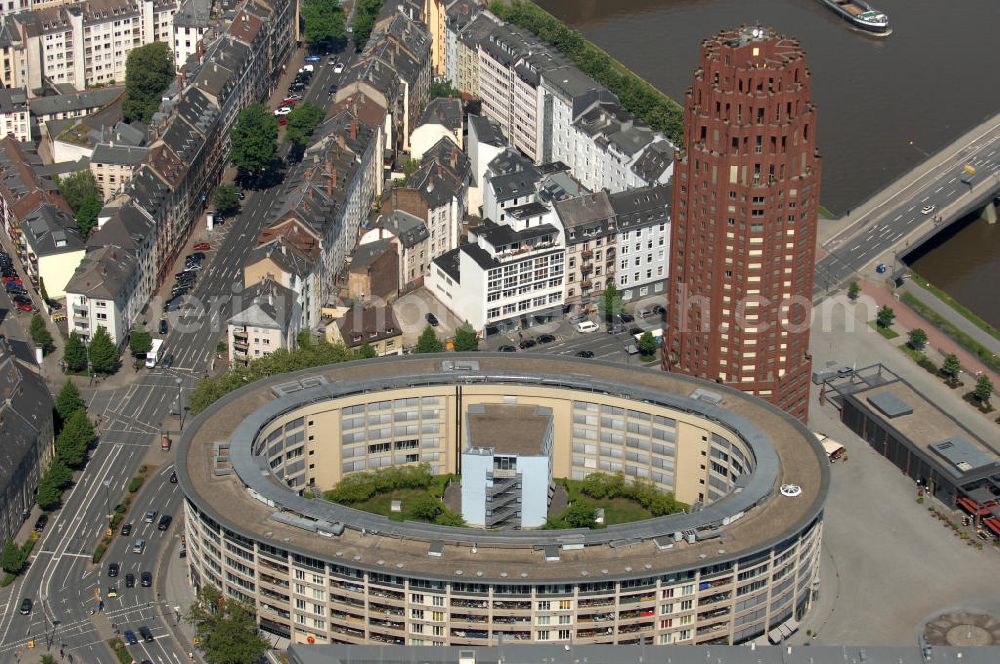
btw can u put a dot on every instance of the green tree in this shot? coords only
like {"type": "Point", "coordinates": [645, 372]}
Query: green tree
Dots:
{"type": "Point", "coordinates": [12, 558]}
{"type": "Point", "coordinates": [449, 518]}
{"type": "Point", "coordinates": [951, 368]}
{"type": "Point", "coordinates": [68, 401]}
{"type": "Point", "coordinates": [75, 353]}
{"type": "Point", "coordinates": [366, 352]}
{"type": "Point", "coordinates": [48, 659]}
{"type": "Point", "coordinates": [854, 291]}
{"type": "Point", "coordinates": [42, 291]}
{"type": "Point", "coordinates": [580, 514]}
{"type": "Point", "coordinates": [443, 89]}
{"type": "Point", "coordinates": [226, 629]}
{"type": "Point", "coordinates": [149, 70]}
{"type": "Point", "coordinates": [103, 353]}
{"type": "Point", "coordinates": [611, 303]}
{"type": "Point", "coordinates": [51, 486]}
{"type": "Point", "coordinates": [365, 13]}
{"type": "Point", "coordinates": [917, 339]}
{"type": "Point", "coordinates": [226, 199]}
{"type": "Point", "coordinates": [983, 390]}
{"type": "Point", "coordinates": [647, 343]}
{"type": "Point", "coordinates": [40, 334]}
{"type": "Point", "coordinates": [428, 342]}
{"type": "Point", "coordinates": [254, 139]}
{"type": "Point", "coordinates": [323, 22]}
{"type": "Point", "coordinates": [140, 341]}
{"type": "Point", "coordinates": [84, 198]}
{"type": "Point", "coordinates": [302, 121]}
{"type": "Point", "coordinates": [75, 439]}
{"type": "Point", "coordinates": [425, 508]}
{"type": "Point", "coordinates": [885, 316]}
{"type": "Point", "coordinates": [466, 339]}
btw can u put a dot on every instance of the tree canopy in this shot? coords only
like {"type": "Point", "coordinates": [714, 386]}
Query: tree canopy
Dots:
{"type": "Point", "coordinates": [466, 338]}
{"type": "Point", "coordinates": [323, 22]}
{"type": "Point", "coordinates": [40, 334]}
{"type": "Point", "coordinates": [366, 352]}
{"type": "Point", "coordinates": [647, 343]}
{"type": "Point", "coordinates": [75, 353]}
{"type": "Point", "coordinates": [13, 557]}
{"type": "Point", "coordinates": [365, 14]}
{"type": "Point", "coordinates": [302, 121]}
{"type": "Point", "coordinates": [885, 316]}
{"type": "Point", "coordinates": [917, 339]}
{"type": "Point", "coordinates": [984, 389]}
{"type": "Point", "coordinates": [51, 486]}
{"type": "Point", "coordinates": [428, 342]}
{"type": "Point", "coordinates": [951, 367]}
{"type": "Point", "coordinates": [226, 199]}
{"type": "Point", "coordinates": [226, 628]}
{"type": "Point", "coordinates": [75, 439]}
{"type": "Point", "coordinates": [854, 291]}
{"type": "Point", "coordinates": [103, 353]}
{"type": "Point", "coordinates": [140, 341]}
{"type": "Point", "coordinates": [149, 70]}
{"type": "Point", "coordinates": [84, 198]}
{"type": "Point", "coordinates": [443, 89]}
{"type": "Point", "coordinates": [254, 140]}
{"type": "Point", "coordinates": [611, 302]}
{"type": "Point", "coordinates": [68, 401]}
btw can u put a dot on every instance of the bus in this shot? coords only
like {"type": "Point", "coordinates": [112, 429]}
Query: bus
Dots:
{"type": "Point", "coordinates": [154, 353]}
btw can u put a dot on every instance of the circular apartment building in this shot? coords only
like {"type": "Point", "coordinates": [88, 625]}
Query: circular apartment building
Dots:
{"type": "Point", "coordinates": [740, 565]}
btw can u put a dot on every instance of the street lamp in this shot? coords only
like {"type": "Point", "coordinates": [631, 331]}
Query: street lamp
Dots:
{"type": "Point", "coordinates": [180, 408]}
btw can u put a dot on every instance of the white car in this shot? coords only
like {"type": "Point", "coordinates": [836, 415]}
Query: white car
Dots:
{"type": "Point", "coordinates": [308, 68]}
{"type": "Point", "coordinates": [587, 326]}
{"type": "Point", "coordinates": [339, 68]}
{"type": "Point", "coordinates": [283, 110]}
{"type": "Point", "coordinates": [927, 209]}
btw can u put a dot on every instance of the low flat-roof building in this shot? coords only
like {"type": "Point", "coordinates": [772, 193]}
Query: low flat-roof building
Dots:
{"type": "Point", "coordinates": [924, 441]}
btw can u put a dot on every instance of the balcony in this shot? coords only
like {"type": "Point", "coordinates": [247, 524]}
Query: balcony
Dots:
{"type": "Point", "coordinates": [602, 601]}
{"type": "Point", "coordinates": [239, 333]}
{"type": "Point", "coordinates": [587, 253]}
{"type": "Point", "coordinates": [80, 313]}
{"type": "Point", "coordinates": [586, 269]}
{"type": "Point", "coordinates": [586, 283]}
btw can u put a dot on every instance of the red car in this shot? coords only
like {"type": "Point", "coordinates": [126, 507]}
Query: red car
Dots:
{"type": "Point", "coordinates": [23, 306]}
{"type": "Point", "coordinates": [16, 280]}
{"type": "Point", "coordinates": [282, 121]}
{"type": "Point", "coordinates": [202, 246]}
{"type": "Point", "coordinates": [288, 101]}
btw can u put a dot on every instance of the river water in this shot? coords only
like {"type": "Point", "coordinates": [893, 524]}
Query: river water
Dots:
{"type": "Point", "coordinates": [885, 104]}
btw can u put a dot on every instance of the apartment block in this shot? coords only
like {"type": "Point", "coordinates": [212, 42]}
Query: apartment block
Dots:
{"type": "Point", "coordinates": [267, 319]}
{"type": "Point", "coordinates": [14, 118]}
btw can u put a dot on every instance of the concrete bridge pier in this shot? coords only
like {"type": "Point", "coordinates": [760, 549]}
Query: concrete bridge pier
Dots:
{"type": "Point", "coordinates": [989, 212]}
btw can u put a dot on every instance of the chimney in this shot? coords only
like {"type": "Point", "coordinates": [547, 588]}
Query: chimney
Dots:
{"type": "Point", "coordinates": [354, 128]}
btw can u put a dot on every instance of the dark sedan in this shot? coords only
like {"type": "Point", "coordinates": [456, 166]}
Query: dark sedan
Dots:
{"type": "Point", "coordinates": [585, 353]}
{"type": "Point", "coordinates": [527, 343]}
{"type": "Point", "coordinates": [506, 349]}
{"type": "Point", "coordinates": [545, 338]}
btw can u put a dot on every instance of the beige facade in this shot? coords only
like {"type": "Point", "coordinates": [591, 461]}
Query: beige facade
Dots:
{"type": "Point", "coordinates": [247, 343]}
{"type": "Point", "coordinates": [351, 585]}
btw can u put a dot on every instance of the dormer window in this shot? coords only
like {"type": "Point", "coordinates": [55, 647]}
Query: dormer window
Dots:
{"type": "Point", "coordinates": [356, 337]}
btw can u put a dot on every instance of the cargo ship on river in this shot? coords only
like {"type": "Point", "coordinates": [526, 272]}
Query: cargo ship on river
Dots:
{"type": "Point", "coordinates": [861, 15]}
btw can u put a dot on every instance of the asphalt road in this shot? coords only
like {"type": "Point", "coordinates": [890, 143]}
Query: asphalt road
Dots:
{"type": "Point", "coordinates": [939, 188]}
{"type": "Point", "coordinates": [67, 589]}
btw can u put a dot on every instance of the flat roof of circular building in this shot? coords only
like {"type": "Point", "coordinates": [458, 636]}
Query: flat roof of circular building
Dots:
{"type": "Point", "coordinates": [748, 519]}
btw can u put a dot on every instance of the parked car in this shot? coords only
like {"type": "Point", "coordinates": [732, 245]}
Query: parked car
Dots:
{"type": "Point", "coordinates": [308, 68]}
{"type": "Point", "coordinates": [126, 529]}
{"type": "Point", "coordinates": [339, 68]}
{"type": "Point", "coordinates": [587, 326]}
{"type": "Point", "coordinates": [646, 313]}
{"type": "Point", "coordinates": [113, 570]}
{"type": "Point", "coordinates": [577, 318]}
{"type": "Point", "coordinates": [635, 330]}
{"type": "Point", "coordinates": [146, 579]}
{"type": "Point", "coordinates": [282, 121]}
{"type": "Point", "coordinates": [23, 303]}
{"type": "Point", "coordinates": [174, 303]}
{"type": "Point", "coordinates": [626, 318]}
{"type": "Point", "coordinates": [112, 591]}
{"type": "Point", "coordinates": [431, 319]}
{"type": "Point", "coordinates": [40, 522]}
{"type": "Point", "coordinates": [527, 343]}
{"type": "Point", "coordinates": [313, 58]}
{"type": "Point", "coordinates": [130, 580]}
{"type": "Point", "coordinates": [163, 326]}
{"type": "Point", "coordinates": [282, 110]}
{"type": "Point", "coordinates": [130, 637]}
{"type": "Point", "coordinates": [145, 633]}
{"type": "Point", "coordinates": [659, 310]}
{"type": "Point", "coordinates": [26, 605]}
{"type": "Point", "coordinates": [204, 246]}
{"type": "Point", "coordinates": [506, 349]}
{"type": "Point", "coordinates": [545, 338]}
{"type": "Point", "coordinates": [585, 353]}
{"type": "Point", "coordinates": [173, 477]}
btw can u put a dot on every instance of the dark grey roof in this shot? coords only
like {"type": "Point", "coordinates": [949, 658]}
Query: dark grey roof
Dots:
{"type": "Point", "coordinates": [442, 111]}
{"type": "Point", "coordinates": [25, 416]}
{"type": "Point", "coordinates": [50, 231]}
{"type": "Point", "coordinates": [502, 235]}
{"type": "Point", "coordinates": [568, 82]}
{"type": "Point", "coordinates": [462, 12]}
{"type": "Point", "coordinates": [12, 101]}
{"type": "Point", "coordinates": [487, 130]}
{"type": "Point", "coordinates": [890, 405]}
{"type": "Point", "coordinates": [962, 456]}
{"type": "Point", "coordinates": [645, 206]}
{"type": "Point", "coordinates": [266, 304]}
{"type": "Point", "coordinates": [654, 160]}
{"type": "Point", "coordinates": [105, 273]}
{"type": "Point", "coordinates": [364, 254]}
{"type": "Point", "coordinates": [510, 161]}
{"type": "Point", "coordinates": [78, 101]}
{"type": "Point", "coordinates": [559, 186]}
{"type": "Point", "coordinates": [62, 168]}
{"type": "Point", "coordinates": [585, 211]}
{"type": "Point", "coordinates": [409, 229]}
{"type": "Point", "coordinates": [124, 155]}
{"type": "Point", "coordinates": [442, 175]}
{"type": "Point", "coordinates": [533, 653]}
{"type": "Point", "coordinates": [193, 14]}
{"type": "Point", "coordinates": [532, 209]}
{"type": "Point", "coordinates": [449, 263]}
{"type": "Point", "coordinates": [285, 255]}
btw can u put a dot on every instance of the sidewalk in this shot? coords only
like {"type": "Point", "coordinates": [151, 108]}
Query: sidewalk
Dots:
{"type": "Point", "coordinates": [939, 344]}
{"type": "Point", "coordinates": [178, 595]}
{"type": "Point", "coordinates": [958, 320]}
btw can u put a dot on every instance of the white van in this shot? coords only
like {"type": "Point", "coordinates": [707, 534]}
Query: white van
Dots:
{"type": "Point", "coordinates": [587, 326]}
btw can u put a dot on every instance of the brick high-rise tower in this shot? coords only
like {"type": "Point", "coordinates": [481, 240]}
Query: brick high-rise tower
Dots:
{"type": "Point", "coordinates": [746, 195]}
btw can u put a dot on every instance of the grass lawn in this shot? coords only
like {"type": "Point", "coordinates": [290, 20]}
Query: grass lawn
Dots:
{"type": "Point", "coordinates": [886, 332]}
{"type": "Point", "coordinates": [622, 510]}
{"type": "Point", "coordinates": [825, 213]}
{"type": "Point", "coordinates": [382, 504]}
